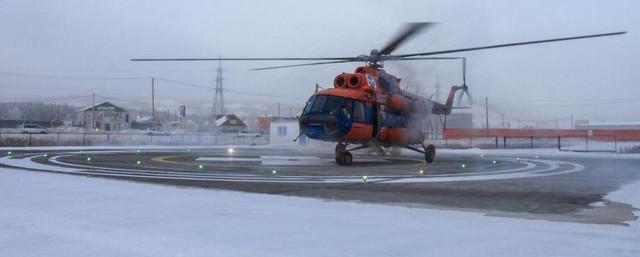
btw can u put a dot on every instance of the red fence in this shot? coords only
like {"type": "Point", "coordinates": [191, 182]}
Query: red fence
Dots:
{"type": "Point", "coordinates": [603, 134]}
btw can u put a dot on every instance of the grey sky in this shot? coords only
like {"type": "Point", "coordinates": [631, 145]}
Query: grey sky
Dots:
{"type": "Point", "coordinates": [97, 38]}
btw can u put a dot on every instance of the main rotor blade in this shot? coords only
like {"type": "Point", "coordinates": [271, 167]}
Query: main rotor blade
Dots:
{"type": "Point", "coordinates": [409, 31]}
{"type": "Point", "coordinates": [298, 65]}
{"type": "Point", "coordinates": [398, 58]}
{"type": "Point", "coordinates": [241, 59]}
{"type": "Point", "coordinates": [513, 44]}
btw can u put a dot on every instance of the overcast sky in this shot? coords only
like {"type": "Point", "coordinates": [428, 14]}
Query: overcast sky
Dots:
{"type": "Point", "coordinates": [591, 79]}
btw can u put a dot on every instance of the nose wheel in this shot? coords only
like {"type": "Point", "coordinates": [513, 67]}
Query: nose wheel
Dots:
{"type": "Point", "coordinates": [343, 157]}
{"type": "Point", "coordinates": [429, 153]}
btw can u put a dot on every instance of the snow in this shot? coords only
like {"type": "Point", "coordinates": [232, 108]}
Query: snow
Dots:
{"type": "Point", "coordinates": [46, 214]}
{"type": "Point", "coordinates": [221, 120]}
{"type": "Point", "coordinates": [116, 147]}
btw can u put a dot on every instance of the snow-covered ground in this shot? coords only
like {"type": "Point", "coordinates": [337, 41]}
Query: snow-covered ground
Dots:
{"type": "Point", "coordinates": [44, 214]}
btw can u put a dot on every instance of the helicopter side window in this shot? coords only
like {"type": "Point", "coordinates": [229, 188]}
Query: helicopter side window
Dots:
{"type": "Point", "coordinates": [358, 111]}
{"type": "Point", "coordinates": [346, 108]}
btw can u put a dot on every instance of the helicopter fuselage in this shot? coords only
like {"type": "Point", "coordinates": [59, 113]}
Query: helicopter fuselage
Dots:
{"type": "Point", "coordinates": [366, 106]}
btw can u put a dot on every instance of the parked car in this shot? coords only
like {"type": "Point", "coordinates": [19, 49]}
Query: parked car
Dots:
{"type": "Point", "coordinates": [157, 132]}
{"type": "Point", "coordinates": [33, 129]}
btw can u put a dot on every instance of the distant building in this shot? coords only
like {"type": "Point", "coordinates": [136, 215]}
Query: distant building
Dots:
{"type": "Point", "coordinates": [585, 124]}
{"type": "Point", "coordinates": [460, 120]}
{"type": "Point", "coordinates": [229, 123]}
{"type": "Point", "coordinates": [285, 130]}
{"type": "Point", "coordinates": [264, 124]}
{"type": "Point", "coordinates": [104, 116]}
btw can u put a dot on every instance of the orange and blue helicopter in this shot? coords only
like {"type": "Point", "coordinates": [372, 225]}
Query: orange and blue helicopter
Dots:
{"type": "Point", "coordinates": [368, 108]}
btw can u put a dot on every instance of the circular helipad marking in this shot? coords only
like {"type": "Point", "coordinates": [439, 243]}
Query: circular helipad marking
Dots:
{"type": "Point", "coordinates": [531, 168]}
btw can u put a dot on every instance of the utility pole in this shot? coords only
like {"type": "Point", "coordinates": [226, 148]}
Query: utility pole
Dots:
{"type": "Point", "coordinates": [571, 121]}
{"type": "Point", "coordinates": [153, 102]}
{"type": "Point", "coordinates": [502, 116]}
{"type": "Point", "coordinates": [437, 92]}
{"type": "Point", "coordinates": [486, 111]}
{"type": "Point", "coordinates": [278, 110]}
{"type": "Point", "coordinates": [93, 111]}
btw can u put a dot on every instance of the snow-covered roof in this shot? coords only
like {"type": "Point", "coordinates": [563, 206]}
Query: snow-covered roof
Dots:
{"type": "Point", "coordinates": [229, 120]}
{"type": "Point", "coordinates": [221, 120]}
{"type": "Point", "coordinates": [101, 107]}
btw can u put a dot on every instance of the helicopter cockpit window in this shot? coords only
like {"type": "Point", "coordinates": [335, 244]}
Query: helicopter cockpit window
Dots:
{"type": "Point", "coordinates": [307, 107]}
{"type": "Point", "coordinates": [319, 103]}
{"type": "Point", "coordinates": [332, 104]}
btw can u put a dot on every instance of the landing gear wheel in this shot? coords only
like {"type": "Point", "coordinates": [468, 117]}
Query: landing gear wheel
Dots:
{"type": "Point", "coordinates": [429, 153]}
{"type": "Point", "coordinates": [347, 159]}
{"type": "Point", "coordinates": [340, 150]}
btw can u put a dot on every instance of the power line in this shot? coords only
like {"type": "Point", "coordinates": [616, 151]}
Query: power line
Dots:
{"type": "Point", "coordinates": [184, 83]}
{"type": "Point", "coordinates": [45, 76]}
{"type": "Point", "coordinates": [610, 102]}
{"type": "Point", "coordinates": [51, 99]}
{"type": "Point", "coordinates": [568, 99]}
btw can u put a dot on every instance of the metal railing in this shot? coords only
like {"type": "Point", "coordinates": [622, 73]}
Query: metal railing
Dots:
{"type": "Point", "coordinates": [115, 138]}
{"type": "Point", "coordinates": [582, 144]}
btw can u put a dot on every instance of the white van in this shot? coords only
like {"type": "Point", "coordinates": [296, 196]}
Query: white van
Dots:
{"type": "Point", "coordinates": [33, 129]}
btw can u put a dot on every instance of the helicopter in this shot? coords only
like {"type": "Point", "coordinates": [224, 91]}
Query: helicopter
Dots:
{"type": "Point", "coordinates": [368, 108]}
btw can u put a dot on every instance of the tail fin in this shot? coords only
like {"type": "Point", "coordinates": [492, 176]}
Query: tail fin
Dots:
{"type": "Point", "coordinates": [445, 108]}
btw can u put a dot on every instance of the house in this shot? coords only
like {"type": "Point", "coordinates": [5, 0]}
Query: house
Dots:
{"type": "Point", "coordinates": [229, 124]}
{"type": "Point", "coordinates": [283, 130]}
{"type": "Point", "coordinates": [104, 116]}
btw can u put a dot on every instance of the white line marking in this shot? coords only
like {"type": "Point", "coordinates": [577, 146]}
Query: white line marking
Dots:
{"type": "Point", "coordinates": [228, 159]}
{"type": "Point", "coordinates": [522, 172]}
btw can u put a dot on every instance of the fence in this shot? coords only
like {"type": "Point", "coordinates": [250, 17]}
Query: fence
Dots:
{"type": "Point", "coordinates": [609, 140]}
{"type": "Point", "coordinates": [88, 138]}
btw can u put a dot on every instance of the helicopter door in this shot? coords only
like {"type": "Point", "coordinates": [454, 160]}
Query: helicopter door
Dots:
{"type": "Point", "coordinates": [375, 120]}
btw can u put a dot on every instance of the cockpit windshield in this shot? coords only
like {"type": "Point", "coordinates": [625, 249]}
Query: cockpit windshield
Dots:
{"type": "Point", "coordinates": [326, 103]}
{"type": "Point", "coordinates": [308, 105]}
